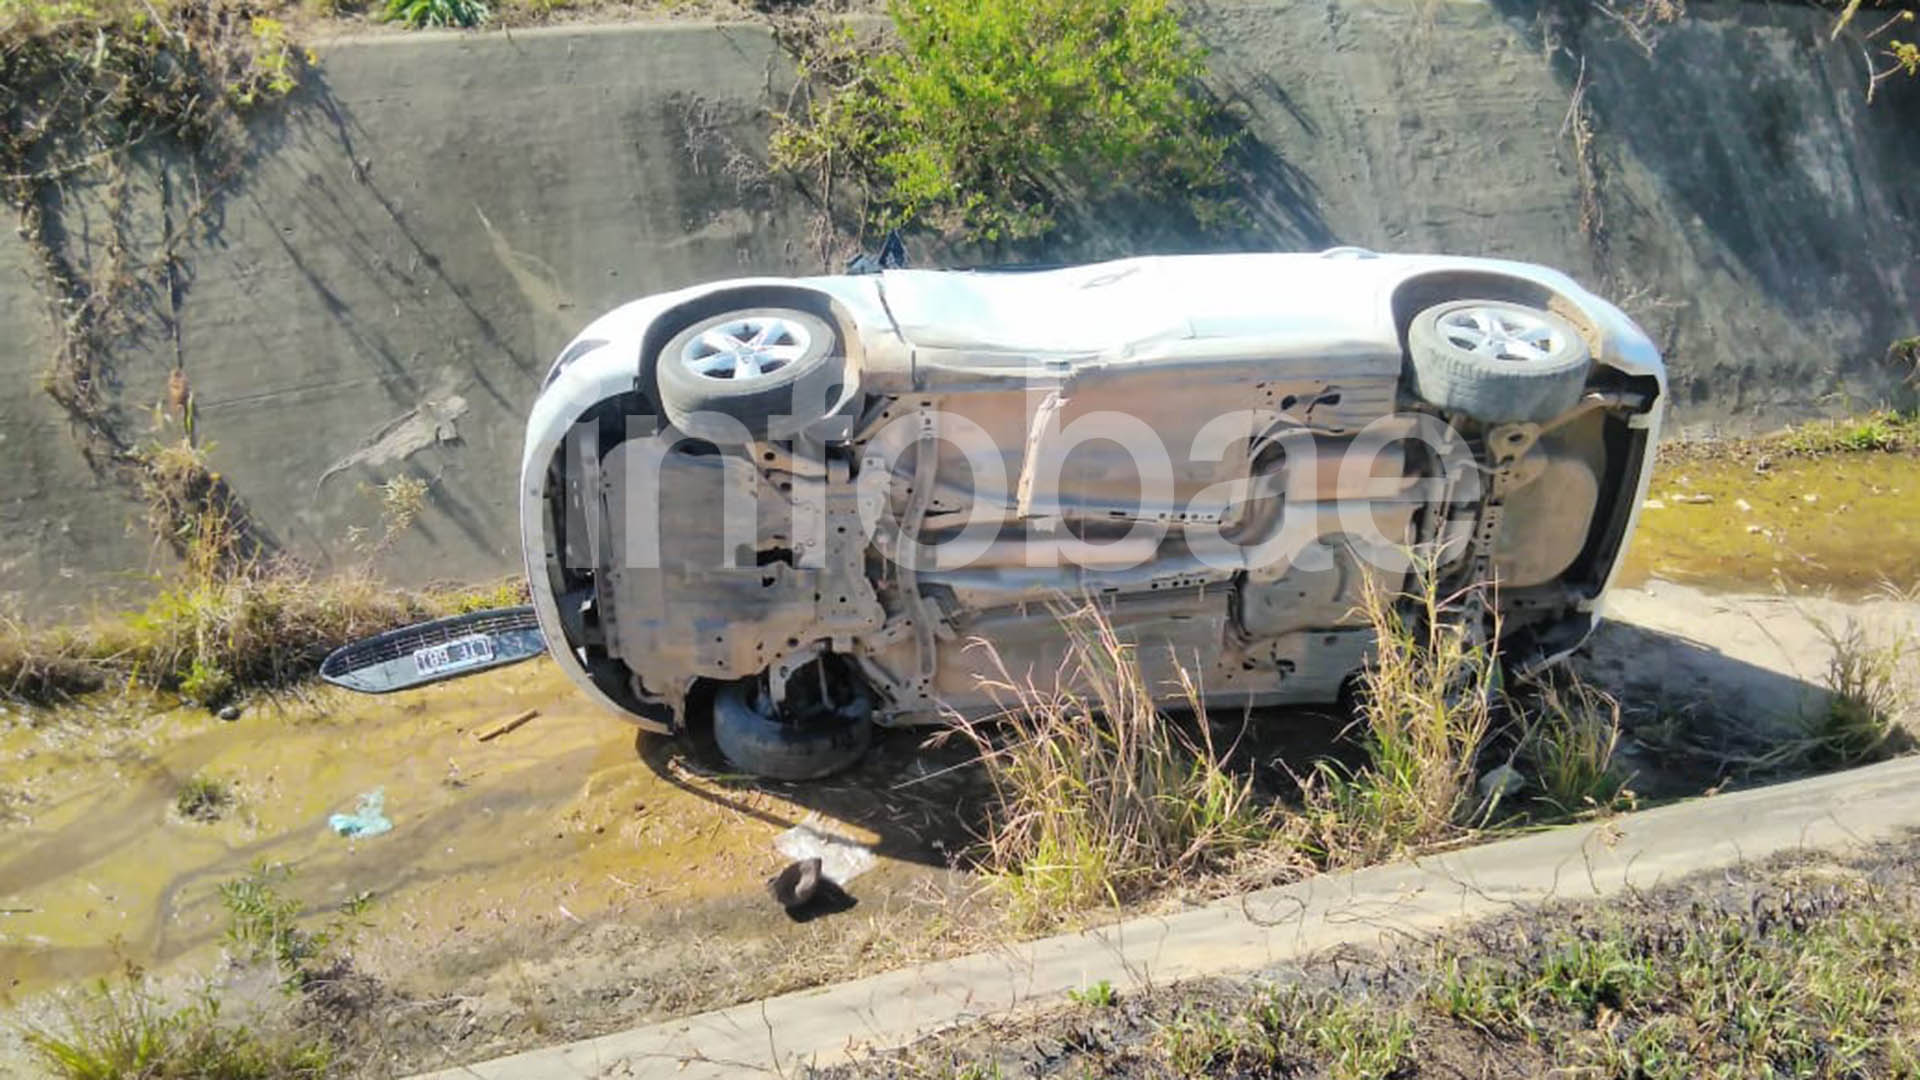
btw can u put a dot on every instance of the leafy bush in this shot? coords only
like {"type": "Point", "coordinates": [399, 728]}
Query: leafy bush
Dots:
{"type": "Point", "coordinates": [418, 13]}
{"type": "Point", "coordinates": [987, 114]}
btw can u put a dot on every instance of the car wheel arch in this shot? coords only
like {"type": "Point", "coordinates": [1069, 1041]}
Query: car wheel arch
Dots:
{"type": "Point", "coordinates": [1421, 291]}
{"type": "Point", "coordinates": [687, 312]}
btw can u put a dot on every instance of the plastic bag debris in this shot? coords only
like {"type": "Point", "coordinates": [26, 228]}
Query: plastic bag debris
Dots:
{"type": "Point", "coordinates": [841, 860]}
{"type": "Point", "coordinates": [369, 818]}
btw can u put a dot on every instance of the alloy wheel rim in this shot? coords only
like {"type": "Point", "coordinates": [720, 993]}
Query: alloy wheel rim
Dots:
{"type": "Point", "coordinates": [1501, 334]}
{"type": "Point", "coordinates": [745, 348]}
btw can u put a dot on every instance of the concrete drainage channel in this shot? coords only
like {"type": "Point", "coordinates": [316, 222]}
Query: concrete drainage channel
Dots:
{"type": "Point", "coordinates": [1374, 907]}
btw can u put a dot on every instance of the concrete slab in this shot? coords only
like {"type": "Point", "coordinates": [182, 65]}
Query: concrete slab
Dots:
{"type": "Point", "coordinates": [1378, 907]}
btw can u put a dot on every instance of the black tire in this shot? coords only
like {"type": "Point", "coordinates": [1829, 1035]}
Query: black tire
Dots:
{"type": "Point", "coordinates": [802, 389]}
{"type": "Point", "coordinates": [1496, 389]}
{"type": "Point", "coordinates": [765, 745]}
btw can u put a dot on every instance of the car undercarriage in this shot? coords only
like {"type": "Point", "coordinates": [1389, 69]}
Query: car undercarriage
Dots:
{"type": "Point", "coordinates": [815, 507]}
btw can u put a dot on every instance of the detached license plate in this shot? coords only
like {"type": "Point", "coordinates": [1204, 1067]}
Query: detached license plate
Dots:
{"type": "Point", "coordinates": [459, 653]}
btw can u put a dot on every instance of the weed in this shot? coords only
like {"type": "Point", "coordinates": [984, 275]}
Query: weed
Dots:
{"type": "Point", "coordinates": [1099, 794]}
{"type": "Point", "coordinates": [1425, 707]}
{"type": "Point", "coordinates": [1781, 970]}
{"type": "Point", "coordinates": [1567, 748]}
{"type": "Point", "coordinates": [207, 683]}
{"type": "Point", "coordinates": [94, 92]}
{"type": "Point", "coordinates": [123, 1034]}
{"type": "Point", "coordinates": [1200, 1042]}
{"type": "Point", "coordinates": [418, 13]}
{"type": "Point", "coordinates": [1283, 1030]}
{"type": "Point", "coordinates": [1100, 995]}
{"type": "Point", "coordinates": [1475, 991]}
{"type": "Point", "coordinates": [1896, 56]}
{"type": "Point", "coordinates": [267, 628]}
{"type": "Point", "coordinates": [1866, 695]}
{"type": "Point", "coordinates": [194, 511]}
{"type": "Point", "coordinates": [1356, 1041]}
{"type": "Point", "coordinates": [1591, 974]}
{"type": "Point", "coordinates": [988, 115]}
{"type": "Point", "coordinates": [1882, 430]}
{"type": "Point", "coordinates": [203, 798]}
{"type": "Point", "coordinates": [262, 924]}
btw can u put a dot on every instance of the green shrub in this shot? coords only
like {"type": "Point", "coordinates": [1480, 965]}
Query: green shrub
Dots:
{"type": "Point", "coordinates": [207, 683]}
{"type": "Point", "coordinates": [418, 13]}
{"type": "Point", "coordinates": [261, 923]}
{"type": "Point", "coordinates": [988, 114]}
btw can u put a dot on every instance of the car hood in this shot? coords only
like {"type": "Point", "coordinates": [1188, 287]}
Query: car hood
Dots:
{"type": "Point", "coordinates": [1116, 306]}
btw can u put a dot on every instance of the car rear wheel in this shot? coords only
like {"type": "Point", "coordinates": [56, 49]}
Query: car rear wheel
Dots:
{"type": "Point", "coordinates": [750, 368]}
{"type": "Point", "coordinates": [1497, 362]}
{"type": "Point", "coordinates": [824, 726]}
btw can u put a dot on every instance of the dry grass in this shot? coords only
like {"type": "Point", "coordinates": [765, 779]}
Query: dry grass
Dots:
{"type": "Point", "coordinates": [1867, 695]}
{"type": "Point", "coordinates": [214, 637]}
{"type": "Point", "coordinates": [1100, 794]}
{"type": "Point", "coordinates": [1425, 708]}
{"type": "Point", "coordinates": [1102, 798]}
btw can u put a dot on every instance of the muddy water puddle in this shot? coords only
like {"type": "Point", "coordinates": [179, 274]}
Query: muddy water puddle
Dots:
{"type": "Point", "coordinates": [1848, 522]}
{"type": "Point", "coordinates": [561, 821]}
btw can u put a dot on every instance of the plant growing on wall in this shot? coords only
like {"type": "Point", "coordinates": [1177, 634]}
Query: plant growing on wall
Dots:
{"type": "Point", "coordinates": [984, 117]}
{"type": "Point", "coordinates": [112, 107]}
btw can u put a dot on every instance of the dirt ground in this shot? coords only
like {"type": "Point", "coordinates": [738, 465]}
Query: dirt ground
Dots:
{"type": "Point", "coordinates": [1794, 927]}
{"type": "Point", "coordinates": [566, 878]}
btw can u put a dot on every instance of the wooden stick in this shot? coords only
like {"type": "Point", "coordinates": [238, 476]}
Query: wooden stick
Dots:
{"type": "Point", "coordinates": [489, 736]}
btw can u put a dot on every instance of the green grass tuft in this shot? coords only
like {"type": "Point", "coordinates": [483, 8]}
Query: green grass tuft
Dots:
{"type": "Point", "coordinates": [1882, 430]}
{"type": "Point", "coordinates": [1566, 750]}
{"type": "Point", "coordinates": [1100, 995]}
{"type": "Point", "coordinates": [123, 1034]}
{"type": "Point", "coordinates": [1426, 705]}
{"type": "Point", "coordinates": [203, 798]}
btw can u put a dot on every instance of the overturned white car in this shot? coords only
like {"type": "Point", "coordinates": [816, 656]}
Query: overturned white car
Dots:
{"type": "Point", "coordinates": [787, 505]}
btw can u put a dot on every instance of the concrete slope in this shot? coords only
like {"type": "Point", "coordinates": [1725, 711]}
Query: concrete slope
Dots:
{"type": "Point", "coordinates": [1381, 907]}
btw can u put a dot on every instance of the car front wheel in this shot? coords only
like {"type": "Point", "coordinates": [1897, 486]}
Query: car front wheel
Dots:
{"type": "Point", "coordinates": [1497, 362]}
{"type": "Point", "coordinates": [824, 725]}
{"type": "Point", "coordinates": [749, 370]}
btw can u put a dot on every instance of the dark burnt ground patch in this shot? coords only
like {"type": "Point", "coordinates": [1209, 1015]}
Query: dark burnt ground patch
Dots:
{"type": "Point", "coordinates": [1799, 966]}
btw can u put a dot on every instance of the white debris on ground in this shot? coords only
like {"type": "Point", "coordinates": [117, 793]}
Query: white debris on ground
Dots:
{"type": "Point", "coordinates": [841, 860]}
